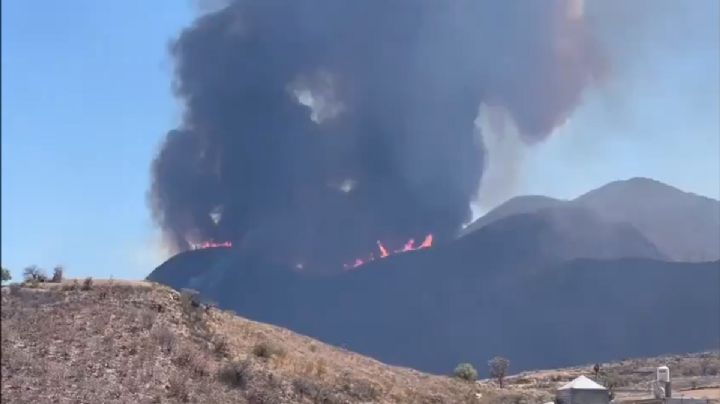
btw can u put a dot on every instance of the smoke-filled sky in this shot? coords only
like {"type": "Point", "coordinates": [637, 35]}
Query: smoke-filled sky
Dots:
{"type": "Point", "coordinates": [87, 102]}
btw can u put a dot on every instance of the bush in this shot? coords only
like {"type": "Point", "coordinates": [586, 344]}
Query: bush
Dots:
{"type": "Point", "coordinates": [360, 390]}
{"type": "Point", "coordinates": [189, 299]}
{"type": "Point", "coordinates": [190, 303]}
{"type": "Point", "coordinates": [87, 283]}
{"type": "Point", "coordinates": [236, 374]}
{"type": "Point", "coordinates": [6, 275]}
{"type": "Point", "coordinates": [221, 346]}
{"type": "Point", "coordinates": [305, 387]}
{"type": "Point", "coordinates": [165, 338]}
{"type": "Point", "coordinates": [57, 274]}
{"type": "Point", "coordinates": [15, 289]}
{"type": "Point", "coordinates": [177, 388]}
{"type": "Point", "coordinates": [191, 360]}
{"type": "Point", "coordinates": [466, 371]}
{"type": "Point", "coordinates": [71, 286]}
{"type": "Point", "coordinates": [147, 319]}
{"type": "Point", "coordinates": [267, 349]}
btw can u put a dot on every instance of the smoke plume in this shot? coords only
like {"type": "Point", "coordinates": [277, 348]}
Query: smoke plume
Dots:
{"type": "Point", "coordinates": [313, 128]}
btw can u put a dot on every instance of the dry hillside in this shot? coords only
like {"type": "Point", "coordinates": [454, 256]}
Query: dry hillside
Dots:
{"type": "Point", "coordinates": [139, 342]}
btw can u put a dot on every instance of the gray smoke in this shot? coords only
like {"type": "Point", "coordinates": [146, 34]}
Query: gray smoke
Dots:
{"type": "Point", "coordinates": [313, 128]}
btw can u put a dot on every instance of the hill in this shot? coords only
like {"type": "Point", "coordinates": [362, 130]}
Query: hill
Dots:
{"type": "Point", "coordinates": [683, 226]}
{"type": "Point", "coordinates": [513, 206]}
{"type": "Point", "coordinates": [121, 342]}
{"type": "Point", "coordinates": [472, 299]}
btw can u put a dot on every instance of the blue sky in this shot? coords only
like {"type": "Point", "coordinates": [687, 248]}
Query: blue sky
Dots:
{"type": "Point", "coordinates": [86, 99]}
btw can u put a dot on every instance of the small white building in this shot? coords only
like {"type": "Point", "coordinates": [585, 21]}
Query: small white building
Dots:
{"type": "Point", "coordinates": [582, 391]}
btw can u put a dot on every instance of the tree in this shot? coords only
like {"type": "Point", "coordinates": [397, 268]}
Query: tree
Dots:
{"type": "Point", "coordinates": [6, 275]}
{"type": "Point", "coordinates": [58, 274]}
{"type": "Point", "coordinates": [466, 371]}
{"type": "Point", "coordinates": [34, 273]}
{"type": "Point", "coordinates": [498, 369]}
{"type": "Point", "coordinates": [596, 369]}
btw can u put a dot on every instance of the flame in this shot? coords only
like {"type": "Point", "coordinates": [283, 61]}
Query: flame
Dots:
{"type": "Point", "coordinates": [383, 251]}
{"type": "Point", "coordinates": [210, 244]}
{"type": "Point", "coordinates": [427, 243]}
{"type": "Point", "coordinates": [408, 246]}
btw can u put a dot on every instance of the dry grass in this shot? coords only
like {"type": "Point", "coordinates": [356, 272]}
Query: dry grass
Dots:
{"type": "Point", "coordinates": [138, 342]}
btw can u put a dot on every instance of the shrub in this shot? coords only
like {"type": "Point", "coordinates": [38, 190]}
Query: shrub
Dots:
{"type": "Point", "coordinates": [267, 349]}
{"type": "Point", "coordinates": [15, 289]}
{"type": "Point", "coordinates": [305, 387]}
{"type": "Point", "coordinates": [236, 374]}
{"type": "Point", "coordinates": [320, 368]}
{"type": "Point", "coordinates": [466, 371]}
{"type": "Point", "coordinates": [360, 390]}
{"type": "Point", "coordinates": [57, 274]}
{"type": "Point", "coordinates": [612, 380]}
{"type": "Point", "coordinates": [190, 303]}
{"type": "Point", "coordinates": [191, 360]}
{"type": "Point", "coordinates": [221, 346]}
{"type": "Point", "coordinates": [498, 369]}
{"type": "Point", "coordinates": [165, 338]}
{"type": "Point", "coordinates": [189, 299]}
{"type": "Point", "coordinates": [87, 283]}
{"type": "Point", "coordinates": [177, 388]}
{"type": "Point", "coordinates": [71, 286]}
{"type": "Point", "coordinates": [6, 275]}
{"type": "Point", "coordinates": [147, 319]}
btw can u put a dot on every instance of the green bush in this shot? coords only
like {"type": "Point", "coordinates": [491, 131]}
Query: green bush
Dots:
{"type": "Point", "coordinates": [466, 371]}
{"type": "Point", "coordinates": [6, 275]}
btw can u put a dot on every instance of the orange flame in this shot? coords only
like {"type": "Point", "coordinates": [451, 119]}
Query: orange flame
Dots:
{"type": "Point", "coordinates": [383, 251]}
{"type": "Point", "coordinates": [408, 246]}
{"type": "Point", "coordinates": [427, 243]}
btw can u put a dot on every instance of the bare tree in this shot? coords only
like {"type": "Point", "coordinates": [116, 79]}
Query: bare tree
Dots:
{"type": "Point", "coordinates": [34, 273]}
{"type": "Point", "coordinates": [498, 369]}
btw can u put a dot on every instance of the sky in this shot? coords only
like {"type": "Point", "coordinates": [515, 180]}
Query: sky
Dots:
{"type": "Point", "coordinates": [86, 101]}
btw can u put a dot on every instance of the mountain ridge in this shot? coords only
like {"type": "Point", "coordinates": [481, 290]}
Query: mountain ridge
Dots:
{"type": "Point", "coordinates": [683, 225]}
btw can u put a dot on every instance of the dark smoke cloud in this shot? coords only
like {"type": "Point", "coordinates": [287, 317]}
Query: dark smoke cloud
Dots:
{"type": "Point", "coordinates": [314, 128]}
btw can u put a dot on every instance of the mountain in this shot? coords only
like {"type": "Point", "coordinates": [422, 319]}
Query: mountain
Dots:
{"type": "Point", "coordinates": [683, 226]}
{"type": "Point", "coordinates": [587, 280]}
{"type": "Point", "coordinates": [139, 342]}
{"type": "Point", "coordinates": [559, 234]}
{"type": "Point", "coordinates": [472, 299]}
{"type": "Point", "coordinates": [514, 206]}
